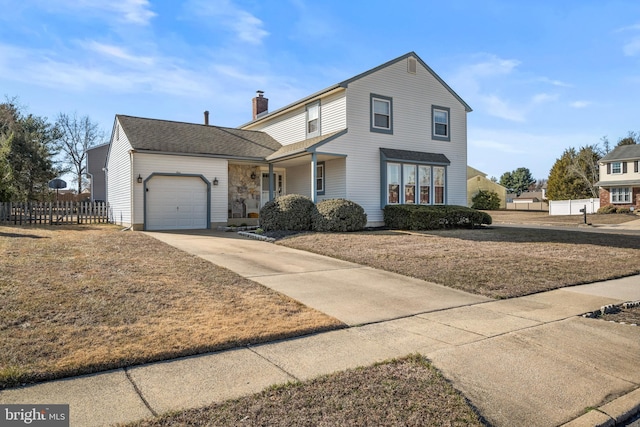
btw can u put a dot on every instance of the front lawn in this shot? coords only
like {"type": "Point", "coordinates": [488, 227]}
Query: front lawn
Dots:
{"type": "Point", "coordinates": [84, 299]}
{"type": "Point", "coordinates": [495, 262]}
{"type": "Point", "coordinates": [407, 392]}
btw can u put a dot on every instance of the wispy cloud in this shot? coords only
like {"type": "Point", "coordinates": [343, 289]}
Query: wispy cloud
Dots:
{"type": "Point", "coordinates": [542, 98]}
{"type": "Point", "coordinates": [554, 82]}
{"type": "Point", "coordinates": [632, 48]}
{"type": "Point", "coordinates": [634, 27]}
{"type": "Point", "coordinates": [498, 107]}
{"type": "Point", "coordinates": [136, 12]}
{"type": "Point", "coordinates": [117, 52]}
{"type": "Point", "coordinates": [580, 104]}
{"type": "Point", "coordinates": [247, 27]}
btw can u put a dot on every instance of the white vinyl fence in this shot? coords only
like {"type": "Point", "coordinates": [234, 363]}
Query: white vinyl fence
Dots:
{"type": "Point", "coordinates": [572, 207]}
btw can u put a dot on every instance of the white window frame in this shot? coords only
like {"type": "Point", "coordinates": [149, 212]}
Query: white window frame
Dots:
{"type": "Point", "coordinates": [618, 193]}
{"type": "Point", "coordinates": [447, 111]}
{"type": "Point", "coordinates": [312, 114]}
{"type": "Point", "coordinates": [389, 102]}
{"type": "Point", "coordinates": [619, 168]}
{"type": "Point", "coordinates": [399, 184]}
{"type": "Point", "coordinates": [403, 182]}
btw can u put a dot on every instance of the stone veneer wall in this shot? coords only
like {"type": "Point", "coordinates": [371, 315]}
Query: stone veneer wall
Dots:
{"type": "Point", "coordinates": [243, 191]}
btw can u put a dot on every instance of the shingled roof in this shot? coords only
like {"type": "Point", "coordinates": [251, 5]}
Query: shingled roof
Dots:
{"type": "Point", "coordinates": [623, 152]}
{"type": "Point", "coordinates": [191, 138]}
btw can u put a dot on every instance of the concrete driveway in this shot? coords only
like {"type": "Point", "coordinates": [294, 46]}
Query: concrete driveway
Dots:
{"type": "Point", "coordinates": [350, 292]}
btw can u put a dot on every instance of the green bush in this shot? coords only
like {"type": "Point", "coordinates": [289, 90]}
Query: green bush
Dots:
{"type": "Point", "coordinates": [485, 199]}
{"type": "Point", "coordinates": [291, 212]}
{"type": "Point", "coordinates": [421, 217]}
{"type": "Point", "coordinates": [623, 210]}
{"type": "Point", "coordinates": [607, 209]}
{"type": "Point", "coordinates": [338, 215]}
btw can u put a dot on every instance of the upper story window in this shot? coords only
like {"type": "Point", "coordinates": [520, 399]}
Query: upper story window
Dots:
{"type": "Point", "coordinates": [616, 167]}
{"type": "Point", "coordinates": [381, 114]}
{"type": "Point", "coordinates": [440, 123]}
{"type": "Point", "coordinates": [313, 119]}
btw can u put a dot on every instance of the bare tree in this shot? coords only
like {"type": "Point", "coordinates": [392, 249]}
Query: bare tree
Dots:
{"type": "Point", "coordinates": [77, 135]}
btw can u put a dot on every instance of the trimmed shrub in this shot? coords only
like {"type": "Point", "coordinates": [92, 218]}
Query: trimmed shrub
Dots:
{"type": "Point", "coordinates": [607, 209]}
{"type": "Point", "coordinates": [485, 199]}
{"type": "Point", "coordinates": [623, 210]}
{"type": "Point", "coordinates": [291, 212]}
{"type": "Point", "coordinates": [421, 217]}
{"type": "Point", "coordinates": [338, 215]}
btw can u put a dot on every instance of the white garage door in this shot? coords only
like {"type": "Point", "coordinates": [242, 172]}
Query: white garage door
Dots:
{"type": "Point", "coordinates": [176, 203]}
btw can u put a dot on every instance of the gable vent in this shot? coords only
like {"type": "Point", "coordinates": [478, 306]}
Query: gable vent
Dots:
{"type": "Point", "coordinates": [412, 65]}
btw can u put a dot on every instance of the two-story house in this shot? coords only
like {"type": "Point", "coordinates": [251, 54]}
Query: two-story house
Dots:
{"type": "Point", "coordinates": [620, 178]}
{"type": "Point", "coordinates": [394, 134]}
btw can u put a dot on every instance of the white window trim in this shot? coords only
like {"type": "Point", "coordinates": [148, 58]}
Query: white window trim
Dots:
{"type": "Point", "coordinates": [613, 172]}
{"type": "Point", "coordinates": [315, 104]}
{"type": "Point", "coordinates": [616, 192]}
{"type": "Point", "coordinates": [401, 185]}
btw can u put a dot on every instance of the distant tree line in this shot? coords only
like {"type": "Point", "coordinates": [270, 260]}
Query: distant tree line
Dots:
{"type": "Point", "coordinates": [33, 151]}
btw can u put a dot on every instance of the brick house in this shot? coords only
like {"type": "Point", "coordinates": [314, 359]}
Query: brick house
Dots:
{"type": "Point", "coordinates": [620, 177]}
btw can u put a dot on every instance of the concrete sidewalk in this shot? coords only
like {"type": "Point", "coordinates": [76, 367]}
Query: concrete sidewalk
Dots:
{"type": "Point", "coordinates": [522, 361]}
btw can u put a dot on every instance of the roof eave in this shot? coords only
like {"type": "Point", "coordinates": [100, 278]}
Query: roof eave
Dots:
{"type": "Point", "coordinates": [217, 156]}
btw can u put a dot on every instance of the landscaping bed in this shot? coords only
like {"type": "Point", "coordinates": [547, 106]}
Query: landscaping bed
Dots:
{"type": "Point", "coordinates": [81, 299]}
{"type": "Point", "coordinates": [495, 262]}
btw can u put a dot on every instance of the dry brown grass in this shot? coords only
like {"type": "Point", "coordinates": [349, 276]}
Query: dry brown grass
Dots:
{"type": "Point", "coordinates": [498, 262]}
{"type": "Point", "coordinates": [543, 218]}
{"type": "Point", "coordinates": [407, 392]}
{"type": "Point", "coordinates": [84, 299]}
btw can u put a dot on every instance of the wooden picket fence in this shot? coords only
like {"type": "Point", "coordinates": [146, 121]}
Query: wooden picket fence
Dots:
{"type": "Point", "coordinates": [53, 213]}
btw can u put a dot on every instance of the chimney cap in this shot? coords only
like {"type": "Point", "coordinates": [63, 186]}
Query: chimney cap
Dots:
{"type": "Point", "coordinates": [259, 92]}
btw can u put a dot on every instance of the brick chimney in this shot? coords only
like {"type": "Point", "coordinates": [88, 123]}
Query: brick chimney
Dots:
{"type": "Point", "coordinates": [260, 104]}
{"type": "Point", "coordinates": [206, 118]}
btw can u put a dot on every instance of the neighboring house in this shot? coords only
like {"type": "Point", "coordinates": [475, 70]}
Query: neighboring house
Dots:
{"type": "Point", "coordinates": [620, 178]}
{"type": "Point", "coordinates": [96, 163]}
{"type": "Point", "coordinates": [529, 197]}
{"type": "Point", "coordinates": [477, 181]}
{"type": "Point", "coordinates": [394, 134]}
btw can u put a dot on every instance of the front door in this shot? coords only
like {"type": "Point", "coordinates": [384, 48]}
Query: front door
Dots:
{"type": "Point", "coordinates": [279, 189]}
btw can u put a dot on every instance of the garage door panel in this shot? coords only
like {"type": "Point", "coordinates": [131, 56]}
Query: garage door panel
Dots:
{"type": "Point", "coordinates": [176, 202]}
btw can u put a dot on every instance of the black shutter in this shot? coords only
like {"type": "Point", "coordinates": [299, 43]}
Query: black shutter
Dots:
{"type": "Point", "coordinates": [624, 167]}
{"type": "Point", "coordinates": [635, 166]}
{"type": "Point", "coordinates": [608, 168]}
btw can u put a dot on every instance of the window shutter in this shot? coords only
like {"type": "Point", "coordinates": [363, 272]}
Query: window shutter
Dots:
{"type": "Point", "coordinates": [624, 167]}
{"type": "Point", "coordinates": [608, 168]}
{"type": "Point", "coordinates": [635, 166]}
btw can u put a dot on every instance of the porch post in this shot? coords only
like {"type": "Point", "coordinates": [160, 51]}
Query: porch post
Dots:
{"type": "Point", "coordinates": [314, 171]}
{"type": "Point", "coordinates": [271, 184]}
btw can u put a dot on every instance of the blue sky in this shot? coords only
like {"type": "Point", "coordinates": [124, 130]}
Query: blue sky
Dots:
{"type": "Point", "coordinates": [540, 75]}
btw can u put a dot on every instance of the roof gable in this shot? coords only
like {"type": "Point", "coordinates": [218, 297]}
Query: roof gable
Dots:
{"type": "Point", "coordinates": [345, 84]}
{"type": "Point", "coordinates": [189, 138]}
{"type": "Point", "coordinates": [623, 152]}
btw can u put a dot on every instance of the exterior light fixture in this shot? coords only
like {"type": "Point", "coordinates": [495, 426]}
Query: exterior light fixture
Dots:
{"type": "Point", "coordinates": [139, 179]}
{"type": "Point", "coordinates": [253, 175]}
{"type": "Point", "coordinates": [215, 181]}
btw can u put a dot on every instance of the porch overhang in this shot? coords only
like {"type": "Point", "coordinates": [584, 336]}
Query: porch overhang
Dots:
{"type": "Point", "coordinates": [627, 183]}
{"type": "Point", "coordinates": [303, 148]}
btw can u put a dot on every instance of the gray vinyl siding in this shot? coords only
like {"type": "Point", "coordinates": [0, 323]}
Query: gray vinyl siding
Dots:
{"type": "Point", "coordinates": [119, 178]}
{"type": "Point", "coordinates": [335, 180]}
{"type": "Point", "coordinates": [288, 128]}
{"type": "Point", "coordinates": [298, 180]}
{"type": "Point", "coordinates": [291, 127]}
{"type": "Point", "coordinates": [145, 164]}
{"type": "Point", "coordinates": [333, 115]}
{"type": "Point", "coordinates": [412, 97]}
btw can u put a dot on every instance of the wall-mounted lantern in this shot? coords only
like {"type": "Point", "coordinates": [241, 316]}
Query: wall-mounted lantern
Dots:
{"type": "Point", "coordinates": [139, 179]}
{"type": "Point", "coordinates": [215, 181]}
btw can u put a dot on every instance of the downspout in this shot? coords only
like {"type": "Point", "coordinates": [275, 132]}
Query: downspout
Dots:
{"type": "Point", "coordinates": [106, 190]}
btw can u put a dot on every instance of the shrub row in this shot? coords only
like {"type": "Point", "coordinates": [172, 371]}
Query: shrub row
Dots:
{"type": "Point", "coordinates": [421, 217]}
{"type": "Point", "coordinates": [611, 209]}
{"type": "Point", "coordinates": [295, 212]}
